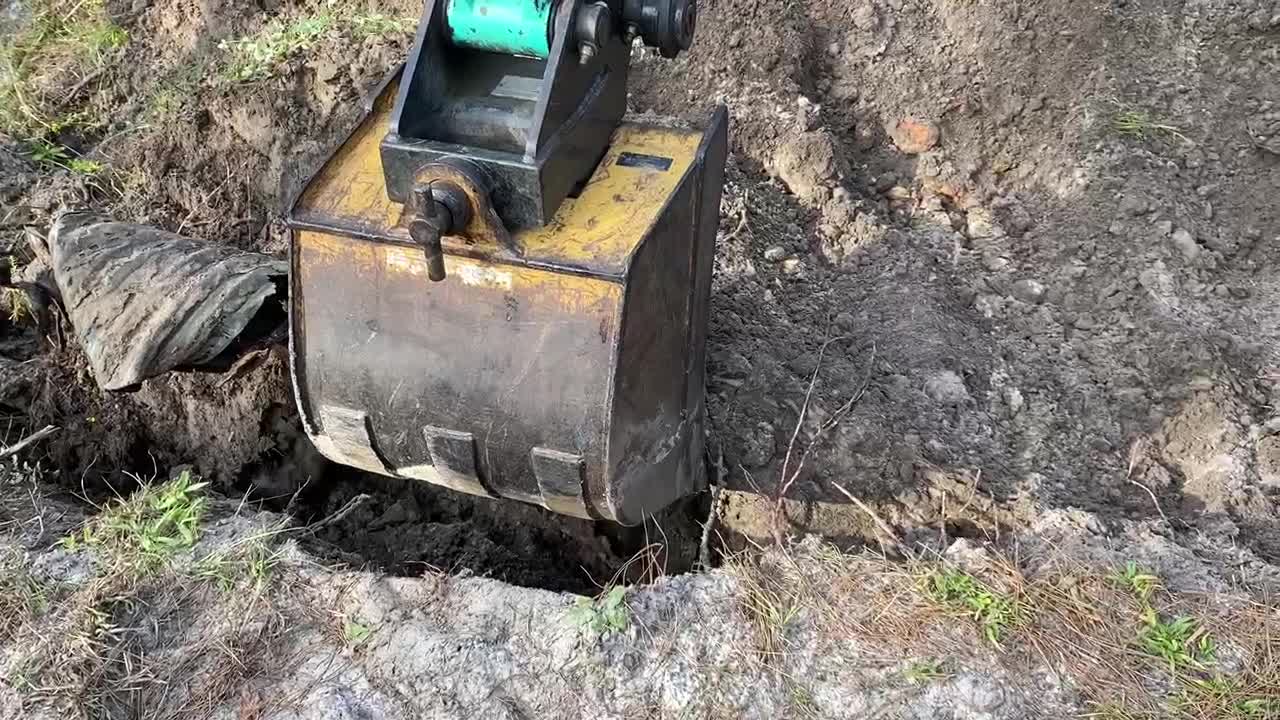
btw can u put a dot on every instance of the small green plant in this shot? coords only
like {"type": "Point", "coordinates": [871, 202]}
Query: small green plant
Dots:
{"type": "Point", "coordinates": [144, 531]}
{"type": "Point", "coordinates": [1180, 642]}
{"type": "Point", "coordinates": [1228, 698]}
{"type": "Point", "coordinates": [922, 672]}
{"type": "Point", "coordinates": [355, 633]}
{"type": "Point", "coordinates": [19, 304]}
{"type": "Point", "coordinates": [602, 615]}
{"type": "Point", "coordinates": [253, 561]}
{"type": "Point", "coordinates": [81, 166]}
{"type": "Point", "coordinates": [48, 153]}
{"type": "Point", "coordinates": [1135, 580]}
{"type": "Point", "coordinates": [1140, 124]}
{"type": "Point", "coordinates": [995, 612]}
{"type": "Point", "coordinates": [102, 38]}
{"type": "Point", "coordinates": [378, 25]}
{"type": "Point", "coordinates": [256, 57]}
{"type": "Point", "coordinates": [21, 596]}
{"type": "Point", "coordinates": [803, 704]}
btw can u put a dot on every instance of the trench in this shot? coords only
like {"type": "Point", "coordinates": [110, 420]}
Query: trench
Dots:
{"type": "Point", "coordinates": [406, 527]}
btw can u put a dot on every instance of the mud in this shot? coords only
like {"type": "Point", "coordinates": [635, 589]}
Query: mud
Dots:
{"type": "Point", "coordinates": [1034, 299]}
{"type": "Point", "coordinates": [1024, 253]}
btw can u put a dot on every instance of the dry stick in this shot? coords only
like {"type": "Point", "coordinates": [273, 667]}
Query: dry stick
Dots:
{"type": "Point", "coordinates": [883, 526]}
{"type": "Point", "coordinates": [704, 545]}
{"type": "Point", "coordinates": [337, 517]}
{"type": "Point", "coordinates": [291, 508]}
{"type": "Point", "coordinates": [831, 422]}
{"type": "Point", "coordinates": [1136, 452]}
{"type": "Point", "coordinates": [28, 441]}
{"type": "Point", "coordinates": [785, 481]}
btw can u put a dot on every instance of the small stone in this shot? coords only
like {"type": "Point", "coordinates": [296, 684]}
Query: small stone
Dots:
{"type": "Point", "coordinates": [989, 306]}
{"type": "Point", "coordinates": [834, 49]}
{"type": "Point", "coordinates": [897, 193]}
{"type": "Point", "coordinates": [759, 445]}
{"type": "Point", "coordinates": [947, 388]}
{"type": "Point", "coordinates": [993, 262]}
{"type": "Point", "coordinates": [864, 17]}
{"type": "Point", "coordinates": [792, 266]}
{"type": "Point", "coordinates": [1029, 291]}
{"type": "Point", "coordinates": [1186, 244]}
{"type": "Point", "coordinates": [914, 136]}
{"type": "Point", "coordinates": [981, 224]}
{"type": "Point", "coordinates": [1204, 191]}
{"type": "Point", "coordinates": [1133, 205]}
{"type": "Point", "coordinates": [1117, 228]}
{"type": "Point", "coordinates": [1221, 291]}
{"type": "Point", "coordinates": [1164, 228]}
{"type": "Point", "coordinates": [1013, 400]}
{"type": "Point", "coordinates": [775, 253]}
{"type": "Point", "coordinates": [841, 195]}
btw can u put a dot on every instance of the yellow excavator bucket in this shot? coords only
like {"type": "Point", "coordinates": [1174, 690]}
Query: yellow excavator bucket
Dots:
{"type": "Point", "coordinates": [560, 364]}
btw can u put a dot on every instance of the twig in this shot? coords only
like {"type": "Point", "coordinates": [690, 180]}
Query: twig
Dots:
{"type": "Point", "coordinates": [704, 545]}
{"type": "Point", "coordinates": [788, 480]}
{"type": "Point", "coordinates": [337, 517]}
{"type": "Point", "coordinates": [28, 441]}
{"type": "Point", "coordinates": [742, 220]}
{"type": "Point", "coordinates": [1154, 501]}
{"type": "Point", "coordinates": [881, 525]}
{"type": "Point", "coordinates": [291, 508]}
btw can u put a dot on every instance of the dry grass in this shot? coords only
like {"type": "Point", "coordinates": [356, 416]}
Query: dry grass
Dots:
{"type": "Point", "coordinates": [63, 39]}
{"type": "Point", "coordinates": [1133, 648]}
{"type": "Point", "coordinates": [155, 633]}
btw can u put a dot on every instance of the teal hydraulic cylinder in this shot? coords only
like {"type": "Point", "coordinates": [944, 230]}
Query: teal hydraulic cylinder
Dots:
{"type": "Point", "coordinates": [511, 27]}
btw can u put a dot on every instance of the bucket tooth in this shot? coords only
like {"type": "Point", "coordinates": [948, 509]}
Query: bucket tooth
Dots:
{"type": "Point", "coordinates": [561, 480]}
{"type": "Point", "coordinates": [345, 437]}
{"type": "Point", "coordinates": [453, 462]}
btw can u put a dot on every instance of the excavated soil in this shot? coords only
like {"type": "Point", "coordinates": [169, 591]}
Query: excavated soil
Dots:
{"type": "Point", "coordinates": [978, 260]}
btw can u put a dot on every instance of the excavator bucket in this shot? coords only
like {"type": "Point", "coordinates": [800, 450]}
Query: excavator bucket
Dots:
{"type": "Point", "coordinates": [519, 320]}
{"type": "Point", "coordinates": [568, 374]}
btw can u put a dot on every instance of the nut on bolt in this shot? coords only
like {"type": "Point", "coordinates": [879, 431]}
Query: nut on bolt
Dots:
{"type": "Point", "coordinates": [440, 208]}
{"type": "Point", "coordinates": [592, 28]}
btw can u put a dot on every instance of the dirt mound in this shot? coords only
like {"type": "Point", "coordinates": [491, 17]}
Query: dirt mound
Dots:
{"type": "Point", "coordinates": [1030, 237]}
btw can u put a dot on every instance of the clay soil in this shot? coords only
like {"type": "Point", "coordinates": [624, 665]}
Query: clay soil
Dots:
{"type": "Point", "coordinates": [978, 260]}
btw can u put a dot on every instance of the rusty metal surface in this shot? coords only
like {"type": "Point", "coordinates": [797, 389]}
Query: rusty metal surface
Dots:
{"type": "Point", "coordinates": [564, 371]}
{"type": "Point", "coordinates": [594, 233]}
{"type": "Point", "coordinates": [144, 301]}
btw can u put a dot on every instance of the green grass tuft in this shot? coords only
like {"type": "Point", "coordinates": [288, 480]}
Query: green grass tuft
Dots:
{"type": "Point", "coordinates": [1180, 642]}
{"type": "Point", "coordinates": [250, 561]}
{"type": "Point", "coordinates": [1140, 124]}
{"type": "Point", "coordinates": [258, 56]}
{"type": "Point", "coordinates": [62, 38]}
{"type": "Point", "coordinates": [143, 532]}
{"type": "Point", "coordinates": [996, 613]}
{"type": "Point", "coordinates": [1135, 580]}
{"type": "Point", "coordinates": [923, 672]}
